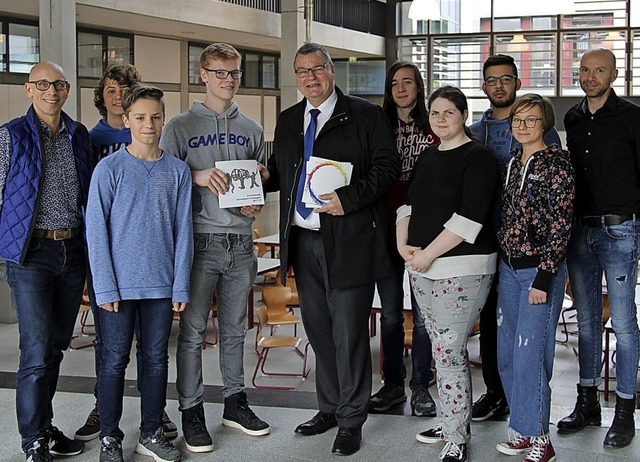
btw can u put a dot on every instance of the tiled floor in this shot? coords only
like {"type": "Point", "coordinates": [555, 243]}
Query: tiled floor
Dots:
{"type": "Point", "coordinates": [385, 437]}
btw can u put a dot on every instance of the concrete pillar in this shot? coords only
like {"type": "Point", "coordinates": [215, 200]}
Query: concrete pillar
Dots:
{"type": "Point", "coordinates": [58, 43]}
{"type": "Point", "coordinates": [184, 75]}
{"type": "Point", "coordinates": [391, 39]}
{"type": "Point", "coordinates": [292, 37]}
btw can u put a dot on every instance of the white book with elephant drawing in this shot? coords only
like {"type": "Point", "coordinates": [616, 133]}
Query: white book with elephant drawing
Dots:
{"type": "Point", "coordinates": [245, 185]}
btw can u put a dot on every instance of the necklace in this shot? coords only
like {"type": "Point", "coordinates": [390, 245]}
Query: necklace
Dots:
{"type": "Point", "coordinates": [144, 163]}
{"type": "Point", "coordinates": [149, 170]}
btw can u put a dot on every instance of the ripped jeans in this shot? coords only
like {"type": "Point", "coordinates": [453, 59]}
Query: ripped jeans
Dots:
{"type": "Point", "coordinates": [526, 346]}
{"type": "Point", "coordinates": [614, 251]}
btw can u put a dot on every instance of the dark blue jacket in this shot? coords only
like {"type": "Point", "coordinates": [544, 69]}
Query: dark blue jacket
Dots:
{"type": "Point", "coordinates": [24, 180]}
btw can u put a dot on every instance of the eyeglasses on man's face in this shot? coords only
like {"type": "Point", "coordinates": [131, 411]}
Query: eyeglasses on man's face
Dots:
{"type": "Point", "coordinates": [504, 79]}
{"type": "Point", "coordinates": [43, 85]}
{"type": "Point", "coordinates": [303, 72]}
{"type": "Point", "coordinates": [529, 122]}
{"type": "Point", "coordinates": [223, 73]}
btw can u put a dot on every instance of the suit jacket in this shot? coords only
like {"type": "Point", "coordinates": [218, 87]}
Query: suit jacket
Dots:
{"type": "Point", "coordinates": [357, 132]}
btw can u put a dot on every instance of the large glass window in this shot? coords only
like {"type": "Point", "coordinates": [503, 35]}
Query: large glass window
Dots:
{"type": "Point", "coordinates": [3, 49]}
{"type": "Point", "coordinates": [194, 64]}
{"type": "Point", "coordinates": [547, 40]}
{"type": "Point", "coordinates": [635, 64]}
{"type": "Point", "coordinates": [535, 55]}
{"type": "Point", "coordinates": [96, 51]}
{"type": "Point", "coordinates": [364, 78]}
{"type": "Point", "coordinates": [574, 44]}
{"type": "Point", "coordinates": [269, 71]}
{"type": "Point", "coordinates": [119, 50]}
{"type": "Point", "coordinates": [24, 47]}
{"type": "Point", "coordinates": [251, 67]}
{"type": "Point", "coordinates": [89, 55]}
{"type": "Point", "coordinates": [635, 13]}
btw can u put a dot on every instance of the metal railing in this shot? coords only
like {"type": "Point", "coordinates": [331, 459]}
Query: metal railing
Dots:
{"type": "Point", "coordinates": [361, 15]}
{"type": "Point", "coordinates": [265, 5]}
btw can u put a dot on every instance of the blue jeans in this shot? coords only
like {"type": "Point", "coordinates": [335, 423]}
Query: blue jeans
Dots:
{"type": "Point", "coordinates": [47, 290]}
{"type": "Point", "coordinates": [226, 264]}
{"type": "Point", "coordinates": [97, 338]}
{"type": "Point", "coordinates": [391, 293]}
{"type": "Point", "coordinates": [450, 308]}
{"type": "Point", "coordinates": [526, 346]}
{"type": "Point", "coordinates": [614, 251]}
{"type": "Point", "coordinates": [156, 317]}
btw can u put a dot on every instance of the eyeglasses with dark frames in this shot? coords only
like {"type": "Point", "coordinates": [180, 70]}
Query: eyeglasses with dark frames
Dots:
{"type": "Point", "coordinates": [43, 85]}
{"type": "Point", "coordinates": [303, 72]}
{"type": "Point", "coordinates": [223, 73]}
{"type": "Point", "coordinates": [529, 122]}
{"type": "Point", "coordinates": [505, 79]}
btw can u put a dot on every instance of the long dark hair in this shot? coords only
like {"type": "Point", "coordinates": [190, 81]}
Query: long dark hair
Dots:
{"type": "Point", "coordinates": [419, 112]}
{"type": "Point", "coordinates": [458, 99]}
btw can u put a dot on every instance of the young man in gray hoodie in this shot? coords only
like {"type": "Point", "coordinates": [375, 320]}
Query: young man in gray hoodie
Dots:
{"type": "Point", "coordinates": [224, 260]}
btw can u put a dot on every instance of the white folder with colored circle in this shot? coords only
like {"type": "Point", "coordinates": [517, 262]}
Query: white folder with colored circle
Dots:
{"type": "Point", "coordinates": [324, 176]}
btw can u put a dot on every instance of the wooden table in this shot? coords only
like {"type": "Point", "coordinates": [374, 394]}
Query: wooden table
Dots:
{"type": "Point", "coordinates": [272, 241]}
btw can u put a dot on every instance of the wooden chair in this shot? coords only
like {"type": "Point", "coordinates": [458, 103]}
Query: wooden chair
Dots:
{"type": "Point", "coordinates": [290, 281]}
{"type": "Point", "coordinates": [85, 309]}
{"type": "Point", "coordinates": [266, 344]}
{"type": "Point", "coordinates": [276, 300]}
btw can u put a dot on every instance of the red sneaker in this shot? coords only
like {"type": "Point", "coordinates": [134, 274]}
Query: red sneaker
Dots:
{"type": "Point", "coordinates": [517, 444]}
{"type": "Point", "coordinates": [541, 450]}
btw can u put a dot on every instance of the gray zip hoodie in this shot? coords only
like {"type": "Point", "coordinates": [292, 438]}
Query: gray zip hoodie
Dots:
{"type": "Point", "coordinates": [201, 137]}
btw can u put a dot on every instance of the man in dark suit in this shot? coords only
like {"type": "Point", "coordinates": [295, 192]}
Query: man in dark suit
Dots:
{"type": "Point", "coordinates": [338, 250]}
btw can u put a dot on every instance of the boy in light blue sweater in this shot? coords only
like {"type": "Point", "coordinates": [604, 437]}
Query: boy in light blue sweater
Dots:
{"type": "Point", "coordinates": [140, 239]}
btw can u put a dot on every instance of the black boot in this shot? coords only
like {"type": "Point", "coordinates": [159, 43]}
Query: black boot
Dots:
{"type": "Point", "coordinates": [586, 412]}
{"type": "Point", "coordinates": [623, 427]}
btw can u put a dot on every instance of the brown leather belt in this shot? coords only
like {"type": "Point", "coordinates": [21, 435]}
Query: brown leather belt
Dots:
{"type": "Point", "coordinates": [55, 234]}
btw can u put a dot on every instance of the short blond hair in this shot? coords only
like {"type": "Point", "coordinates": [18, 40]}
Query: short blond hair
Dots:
{"type": "Point", "coordinates": [221, 51]}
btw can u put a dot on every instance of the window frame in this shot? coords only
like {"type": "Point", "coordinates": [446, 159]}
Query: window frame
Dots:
{"type": "Point", "coordinates": [104, 35]}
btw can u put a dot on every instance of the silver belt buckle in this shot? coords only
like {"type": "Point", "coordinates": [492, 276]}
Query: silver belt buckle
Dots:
{"type": "Point", "coordinates": [64, 234]}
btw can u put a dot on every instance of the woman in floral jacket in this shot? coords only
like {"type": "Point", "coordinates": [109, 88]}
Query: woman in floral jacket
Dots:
{"type": "Point", "coordinates": [536, 222]}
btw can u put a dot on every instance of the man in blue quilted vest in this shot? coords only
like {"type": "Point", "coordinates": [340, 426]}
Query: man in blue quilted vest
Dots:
{"type": "Point", "coordinates": [45, 166]}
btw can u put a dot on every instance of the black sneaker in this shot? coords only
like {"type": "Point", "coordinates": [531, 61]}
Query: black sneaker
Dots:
{"type": "Point", "coordinates": [422, 404]}
{"type": "Point", "coordinates": [489, 407]}
{"type": "Point", "coordinates": [433, 435]}
{"type": "Point", "coordinates": [38, 451]}
{"type": "Point", "coordinates": [60, 445]}
{"type": "Point", "coordinates": [169, 428]}
{"type": "Point", "coordinates": [111, 450]}
{"type": "Point", "coordinates": [238, 414]}
{"type": "Point", "coordinates": [91, 428]}
{"type": "Point", "coordinates": [454, 452]}
{"type": "Point", "coordinates": [389, 395]}
{"type": "Point", "coordinates": [158, 447]}
{"type": "Point", "coordinates": [194, 430]}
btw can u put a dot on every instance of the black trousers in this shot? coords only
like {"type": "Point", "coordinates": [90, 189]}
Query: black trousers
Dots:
{"type": "Point", "coordinates": [337, 324]}
{"type": "Point", "coordinates": [489, 342]}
